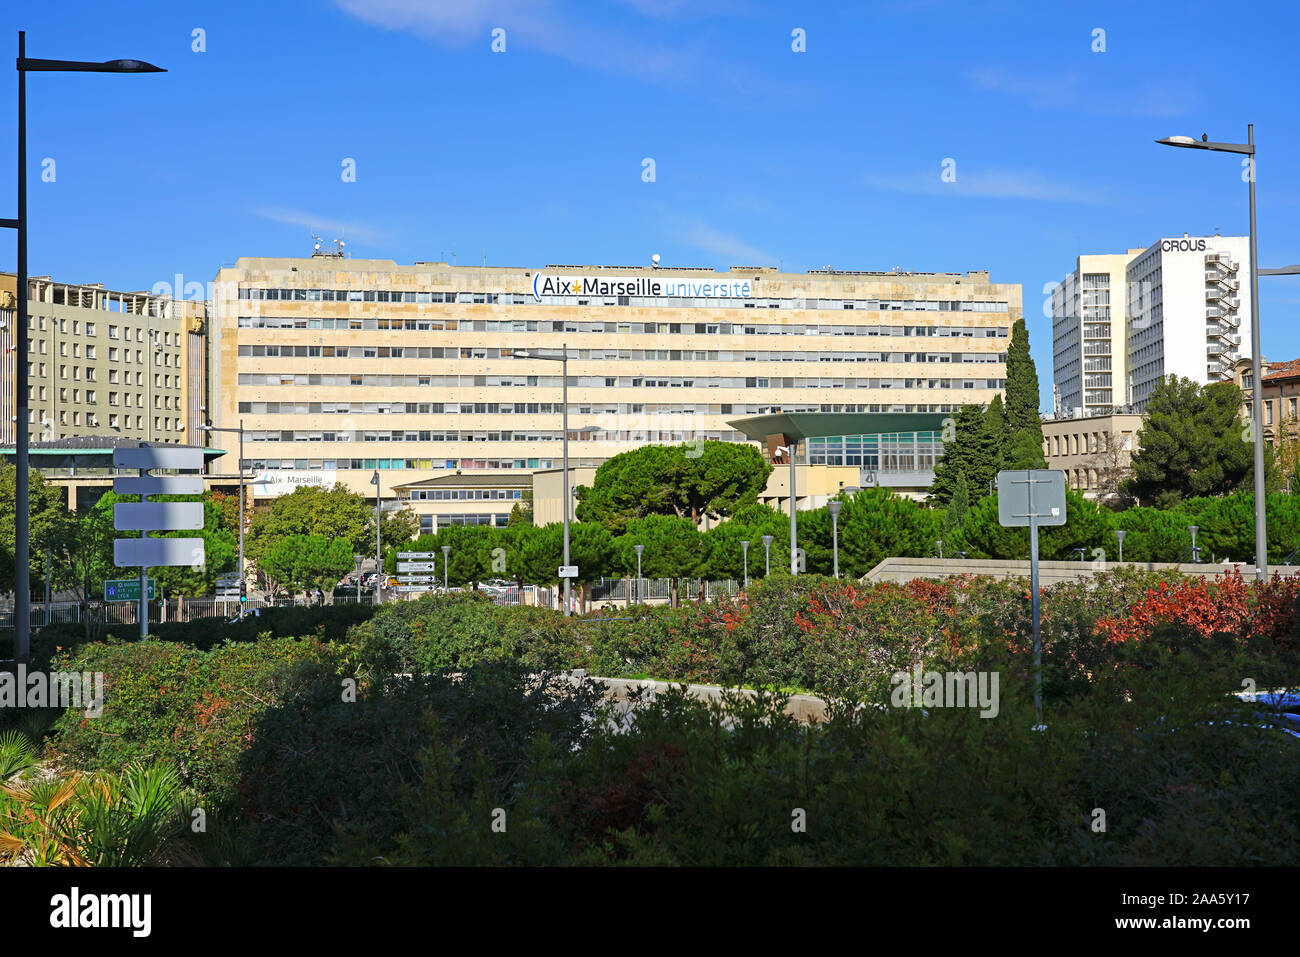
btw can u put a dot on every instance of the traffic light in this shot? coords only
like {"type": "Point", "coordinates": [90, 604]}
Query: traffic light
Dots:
{"type": "Point", "coordinates": [243, 591]}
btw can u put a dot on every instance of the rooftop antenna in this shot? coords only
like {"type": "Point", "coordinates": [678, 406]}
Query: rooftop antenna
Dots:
{"type": "Point", "coordinates": [315, 245]}
{"type": "Point", "coordinates": [654, 261]}
{"type": "Point", "coordinates": [485, 257]}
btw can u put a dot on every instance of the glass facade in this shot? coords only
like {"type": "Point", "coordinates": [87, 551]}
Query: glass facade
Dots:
{"type": "Point", "coordinates": [887, 452]}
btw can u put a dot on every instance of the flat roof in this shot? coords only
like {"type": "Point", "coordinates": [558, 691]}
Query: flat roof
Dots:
{"type": "Point", "coordinates": [91, 451]}
{"type": "Point", "coordinates": [507, 477]}
{"type": "Point", "coordinates": [811, 425]}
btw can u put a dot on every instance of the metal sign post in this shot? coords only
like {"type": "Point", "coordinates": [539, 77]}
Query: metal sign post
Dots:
{"type": "Point", "coordinates": [1030, 498]}
{"type": "Point", "coordinates": [146, 516]}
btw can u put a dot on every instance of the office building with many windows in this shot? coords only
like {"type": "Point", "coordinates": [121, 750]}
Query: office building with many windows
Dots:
{"type": "Point", "coordinates": [1122, 322]}
{"type": "Point", "coordinates": [340, 367]}
{"type": "Point", "coordinates": [119, 365]}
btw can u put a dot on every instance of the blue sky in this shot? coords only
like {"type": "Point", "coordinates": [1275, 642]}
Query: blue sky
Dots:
{"type": "Point", "coordinates": [762, 155]}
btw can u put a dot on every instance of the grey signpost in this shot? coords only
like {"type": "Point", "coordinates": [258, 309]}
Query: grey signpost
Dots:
{"type": "Point", "coordinates": [145, 516]}
{"type": "Point", "coordinates": [1030, 498]}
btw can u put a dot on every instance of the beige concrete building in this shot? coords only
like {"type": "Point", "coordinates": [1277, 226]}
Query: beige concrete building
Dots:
{"type": "Point", "coordinates": [1094, 451]}
{"type": "Point", "coordinates": [125, 365]}
{"type": "Point", "coordinates": [1281, 396]}
{"type": "Point", "coordinates": [341, 367]}
{"type": "Point", "coordinates": [1089, 335]}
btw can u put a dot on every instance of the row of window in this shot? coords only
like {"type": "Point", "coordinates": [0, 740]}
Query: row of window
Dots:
{"type": "Point", "coordinates": [462, 494]}
{"type": "Point", "coordinates": [74, 418]}
{"type": "Point", "coordinates": [623, 328]}
{"type": "Point", "coordinates": [259, 294]}
{"type": "Point", "coordinates": [369, 465]}
{"type": "Point", "coordinates": [609, 382]}
{"type": "Point", "coordinates": [429, 523]}
{"type": "Point", "coordinates": [585, 434]}
{"type": "Point", "coordinates": [602, 355]}
{"type": "Point", "coordinates": [533, 408]}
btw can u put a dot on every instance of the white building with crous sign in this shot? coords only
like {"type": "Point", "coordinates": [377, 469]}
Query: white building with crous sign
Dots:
{"type": "Point", "coordinates": [1189, 311]}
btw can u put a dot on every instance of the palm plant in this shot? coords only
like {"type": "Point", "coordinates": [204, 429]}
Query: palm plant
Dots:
{"type": "Point", "coordinates": [126, 820]}
{"type": "Point", "coordinates": [16, 754]}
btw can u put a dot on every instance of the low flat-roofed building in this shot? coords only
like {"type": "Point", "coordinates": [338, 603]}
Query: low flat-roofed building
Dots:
{"type": "Point", "coordinates": [1094, 451]}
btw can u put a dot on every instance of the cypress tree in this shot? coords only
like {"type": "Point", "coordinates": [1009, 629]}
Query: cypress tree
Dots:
{"type": "Point", "coordinates": [958, 506]}
{"type": "Point", "coordinates": [1025, 428]}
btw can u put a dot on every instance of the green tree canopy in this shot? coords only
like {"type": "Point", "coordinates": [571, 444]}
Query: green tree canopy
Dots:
{"type": "Point", "coordinates": [689, 480]}
{"type": "Point", "coordinates": [1191, 444]}
{"type": "Point", "coordinates": [966, 453]}
{"type": "Point", "coordinates": [307, 562]}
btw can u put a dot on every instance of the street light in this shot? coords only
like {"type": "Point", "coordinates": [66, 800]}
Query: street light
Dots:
{"type": "Point", "coordinates": [22, 480]}
{"type": "Point", "coordinates": [767, 548]}
{"type": "Point", "coordinates": [1195, 552]}
{"type": "Point", "coordinates": [794, 547]}
{"type": "Point", "coordinates": [1120, 533]}
{"type": "Point", "coordinates": [564, 374]}
{"type": "Point", "coordinates": [1257, 406]}
{"type": "Point", "coordinates": [834, 508]}
{"type": "Point", "coordinates": [379, 555]}
{"type": "Point", "coordinates": [744, 550]}
{"type": "Point", "coordinates": [940, 544]}
{"type": "Point", "coordinates": [242, 513]}
{"type": "Point", "coordinates": [639, 549]}
{"type": "Point", "coordinates": [446, 554]}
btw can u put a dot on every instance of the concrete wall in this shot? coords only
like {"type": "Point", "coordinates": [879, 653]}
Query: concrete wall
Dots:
{"type": "Point", "coordinates": [1049, 573]}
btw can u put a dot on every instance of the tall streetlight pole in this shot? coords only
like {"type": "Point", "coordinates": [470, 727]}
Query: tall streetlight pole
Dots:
{"type": "Point", "coordinates": [1257, 405]}
{"type": "Point", "coordinates": [767, 549]}
{"type": "Point", "coordinates": [22, 408]}
{"type": "Point", "coordinates": [834, 509]}
{"type": "Point", "coordinates": [564, 374]}
{"type": "Point", "coordinates": [242, 512]}
{"type": "Point", "coordinates": [794, 531]}
{"type": "Point", "coordinates": [379, 554]}
{"type": "Point", "coordinates": [446, 559]}
{"type": "Point", "coordinates": [744, 550]}
{"type": "Point", "coordinates": [639, 597]}
{"type": "Point", "coordinates": [1119, 534]}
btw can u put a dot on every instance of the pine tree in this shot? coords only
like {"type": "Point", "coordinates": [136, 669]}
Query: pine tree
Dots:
{"type": "Point", "coordinates": [1025, 428]}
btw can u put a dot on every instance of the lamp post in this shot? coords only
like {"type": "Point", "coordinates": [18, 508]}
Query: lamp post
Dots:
{"type": "Point", "coordinates": [242, 513]}
{"type": "Point", "coordinates": [940, 544]}
{"type": "Point", "coordinates": [379, 555]}
{"type": "Point", "coordinates": [639, 597]}
{"type": "Point", "coordinates": [744, 550]}
{"type": "Point", "coordinates": [834, 508]}
{"type": "Point", "coordinates": [1195, 554]}
{"type": "Point", "coordinates": [564, 375]}
{"type": "Point", "coordinates": [446, 556]}
{"type": "Point", "coordinates": [1119, 534]}
{"type": "Point", "coordinates": [767, 548]}
{"type": "Point", "coordinates": [794, 530]}
{"type": "Point", "coordinates": [22, 409]}
{"type": "Point", "coordinates": [1257, 405]}
{"type": "Point", "coordinates": [358, 579]}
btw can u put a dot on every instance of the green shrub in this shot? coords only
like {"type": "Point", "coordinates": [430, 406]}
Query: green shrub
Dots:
{"type": "Point", "coordinates": [173, 702]}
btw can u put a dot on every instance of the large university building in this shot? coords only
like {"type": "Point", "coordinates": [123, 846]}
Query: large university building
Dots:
{"type": "Point", "coordinates": [338, 368]}
{"type": "Point", "coordinates": [1122, 322]}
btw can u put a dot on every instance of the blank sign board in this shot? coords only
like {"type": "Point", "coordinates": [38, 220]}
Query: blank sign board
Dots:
{"type": "Point", "coordinates": [157, 516]}
{"type": "Point", "coordinates": [156, 552]}
{"type": "Point", "coordinates": [158, 457]}
{"type": "Point", "coordinates": [1036, 492]}
{"type": "Point", "coordinates": [159, 485]}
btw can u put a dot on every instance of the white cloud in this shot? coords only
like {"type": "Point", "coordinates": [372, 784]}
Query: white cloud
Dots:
{"type": "Point", "coordinates": [990, 183]}
{"type": "Point", "coordinates": [542, 26]}
{"type": "Point", "coordinates": [336, 228]}
{"type": "Point", "coordinates": [1066, 91]}
{"type": "Point", "coordinates": [736, 251]}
